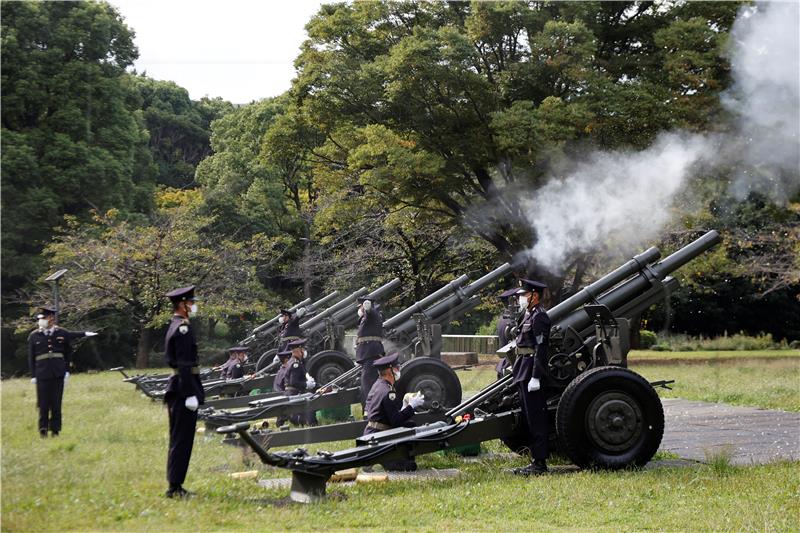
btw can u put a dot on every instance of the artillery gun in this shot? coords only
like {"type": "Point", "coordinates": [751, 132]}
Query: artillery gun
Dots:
{"type": "Point", "coordinates": [601, 414]}
{"type": "Point", "coordinates": [415, 333]}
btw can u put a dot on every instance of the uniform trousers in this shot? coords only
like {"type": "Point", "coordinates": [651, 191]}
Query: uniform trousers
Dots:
{"type": "Point", "coordinates": [182, 425]}
{"type": "Point", "coordinates": [368, 378]}
{"type": "Point", "coordinates": [534, 410]}
{"type": "Point", "coordinates": [49, 392]}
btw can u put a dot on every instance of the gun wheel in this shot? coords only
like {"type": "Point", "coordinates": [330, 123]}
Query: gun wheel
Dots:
{"type": "Point", "coordinates": [433, 378]}
{"type": "Point", "coordinates": [609, 417]}
{"type": "Point", "coordinates": [266, 358]}
{"type": "Point", "coordinates": [328, 365]}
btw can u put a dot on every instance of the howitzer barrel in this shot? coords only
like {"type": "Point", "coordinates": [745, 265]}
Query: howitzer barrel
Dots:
{"type": "Point", "coordinates": [348, 318]}
{"type": "Point", "coordinates": [274, 321]}
{"type": "Point", "coordinates": [647, 278]}
{"type": "Point", "coordinates": [603, 284]}
{"type": "Point", "coordinates": [419, 307]}
{"type": "Point", "coordinates": [319, 319]}
{"type": "Point", "coordinates": [443, 309]}
{"type": "Point", "coordinates": [322, 302]}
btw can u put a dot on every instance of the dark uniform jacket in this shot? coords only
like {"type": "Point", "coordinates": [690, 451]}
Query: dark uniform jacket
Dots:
{"type": "Point", "coordinates": [370, 326]}
{"type": "Point", "coordinates": [40, 343]}
{"type": "Point", "coordinates": [295, 378]}
{"type": "Point", "coordinates": [289, 331]}
{"type": "Point", "coordinates": [534, 334]}
{"type": "Point", "coordinates": [280, 378]}
{"type": "Point", "coordinates": [180, 349]}
{"type": "Point", "coordinates": [236, 371]}
{"type": "Point", "coordinates": [383, 405]}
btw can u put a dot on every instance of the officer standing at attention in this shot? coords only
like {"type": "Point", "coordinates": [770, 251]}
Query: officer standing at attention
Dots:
{"type": "Point", "coordinates": [369, 343]}
{"type": "Point", "coordinates": [49, 353]}
{"type": "Point", "coordinates": [384, 410]}
{"type": "Point", "coordinates": [529, 371]}
{"type": "Point", "coordinates": [289, 329]}
{"type": "Point", "coordinates": [297, 380]}
{"type": "Point", "coordinates": [184, 389]}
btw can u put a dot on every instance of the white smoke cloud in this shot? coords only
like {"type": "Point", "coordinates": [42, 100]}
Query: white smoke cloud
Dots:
{"type": "Point", "coordinates": [765, 98]}
{"type": "Point", "coordinates": [625, 199]}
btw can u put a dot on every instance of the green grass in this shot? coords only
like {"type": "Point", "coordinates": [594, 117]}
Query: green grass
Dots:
{"type": "Point", "coordinates": [106, 473]}
{"type": "Point", "coordinates": [635, 355]}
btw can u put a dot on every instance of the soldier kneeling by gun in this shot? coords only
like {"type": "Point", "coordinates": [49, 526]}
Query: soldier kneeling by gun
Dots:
{"type": "Point", "coordinates": [383, 407]}
{"type": "Point", "coordinates": [297, 380]}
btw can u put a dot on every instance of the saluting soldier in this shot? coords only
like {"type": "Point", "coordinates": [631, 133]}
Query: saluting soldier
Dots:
{"type": "Point", "coordinates": [384, 410]}
{"type": "Point", "coordinates": [369, 342]}
{"type": "Point", "coordinates": [530, 370]}
{"type": "Point", "coordinates": [184, 389]}
{"type": "Point", "coordinates": [297, 380]}
{"type": "Point", "coordinates": [289, 329]}
{"type": "Point", "coordinates": [49, 360]}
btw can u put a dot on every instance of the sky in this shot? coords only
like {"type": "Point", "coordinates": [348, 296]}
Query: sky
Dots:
{"type": "Point", "coordinates": [241, 50]}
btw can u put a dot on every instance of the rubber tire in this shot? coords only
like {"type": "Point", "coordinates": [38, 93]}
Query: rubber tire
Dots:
{"type": "Point", "coordinates": [326, 365]}
{"type": "Point", "coordinates": [419, 370]}
{"type": "Point", "coordinates": [574, 437]}
{"type": "Point", "coordinates": [266, 359]}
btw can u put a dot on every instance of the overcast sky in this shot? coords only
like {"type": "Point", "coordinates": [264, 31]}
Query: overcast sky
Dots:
{"type": "Point", "coordinates": [241, 50]}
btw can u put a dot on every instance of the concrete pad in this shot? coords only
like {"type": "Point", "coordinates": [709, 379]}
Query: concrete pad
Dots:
{"type": "Point", "coordinates": [698, 431]}
{"type": "Point", "coordinates": [460, 358]}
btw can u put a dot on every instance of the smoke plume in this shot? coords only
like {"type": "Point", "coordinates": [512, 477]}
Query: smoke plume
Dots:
{"type": "Point", "coordinates": [624, 199]}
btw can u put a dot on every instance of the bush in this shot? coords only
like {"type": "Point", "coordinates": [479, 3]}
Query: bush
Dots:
{"type": "Point", "coordinates": [647, 339]}
{"type": "Point", "coordinates": [736, 342]}
{"type": "Point", "coordinates": [487, 329]}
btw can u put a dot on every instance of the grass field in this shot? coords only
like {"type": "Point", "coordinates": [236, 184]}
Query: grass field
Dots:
{"type": "Point", "coordinates": [106, 472]}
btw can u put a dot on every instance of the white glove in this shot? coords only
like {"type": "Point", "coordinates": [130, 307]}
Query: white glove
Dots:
{"type": "Point", "coordinates": [276, 359]}
{"type": "Point", "coordinates": [191, 403]}
{"type": "Point", "coordinates": [33, 380]}
{"type": "Point", "coordinates": [66, 376]}
{"type": "Point", "coordinates": [367, 305]}
{"type": "Point", "coordinates": [310, 384]}
{"type": "Point", "coordinates": [300, 312]}
{"type": "Point", "coordinates": [416, 401]}
{"type": "Point", "coordinates": [534, 385]}
{"type": "Point", "coordinates": [91, 334]}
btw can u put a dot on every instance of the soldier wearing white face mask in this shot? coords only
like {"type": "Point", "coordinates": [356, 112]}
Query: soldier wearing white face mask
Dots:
{"type": "Point", "coordinates": [184, 390]}
{"type": "Point", "coordinates": [49, 359]}
{"type": "Point", "coordinates": [529, 371]}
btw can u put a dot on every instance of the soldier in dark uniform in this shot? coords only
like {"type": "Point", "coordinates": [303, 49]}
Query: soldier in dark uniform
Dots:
{"type": "Point", "coordinates": [507, 321]}
{"type": "Point", "coordinates": [289, 329]}
{"type": "Point", "coordinates": [384, 410]}
{"type": "Point", "coordinates": [530, 370]}
{"type": "Point", "coordinates": [225, 368]}
{"type": "Point", "coordinates": [49, 353]}
{"type": "Point", "coordinates": [236, 371]}
{"type": "Point", "coordinates": [280, 380]}
{"type": "Point", "coordinates": [184, 390]}
{"type": "Point", "coordinates": [298, 381]}
{"type": "Point", "coordinates": [369, 343]}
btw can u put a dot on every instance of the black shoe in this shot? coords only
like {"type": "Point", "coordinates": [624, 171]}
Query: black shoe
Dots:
{"type": "Point", "coordinates": [55, 433]}
{"type": "Point", "coordinates": [536, 468]}
{"type": "Point", "coordinates": [43, 434]}
{"type": "Point", "coordinates": [178, 492]}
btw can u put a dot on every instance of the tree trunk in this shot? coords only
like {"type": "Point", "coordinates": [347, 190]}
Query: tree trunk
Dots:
{"type": "Point", "coordinates": [143, 348]}
{"type": "Point", "coordinates": [212, 325]}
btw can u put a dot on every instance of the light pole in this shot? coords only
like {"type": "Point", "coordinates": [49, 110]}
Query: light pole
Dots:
{"type": "Point", "coordinates": [54, 277]}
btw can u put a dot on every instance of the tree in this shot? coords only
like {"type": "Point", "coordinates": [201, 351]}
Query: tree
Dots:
{"type": "Point", "coordinates": [454, 108]}
{"type": "Point", "coordinates": [178, 127]}
{"type": "Point", "coordinates": [71, 141]}
{"type": "Point", "coordinates": [127, 266]}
